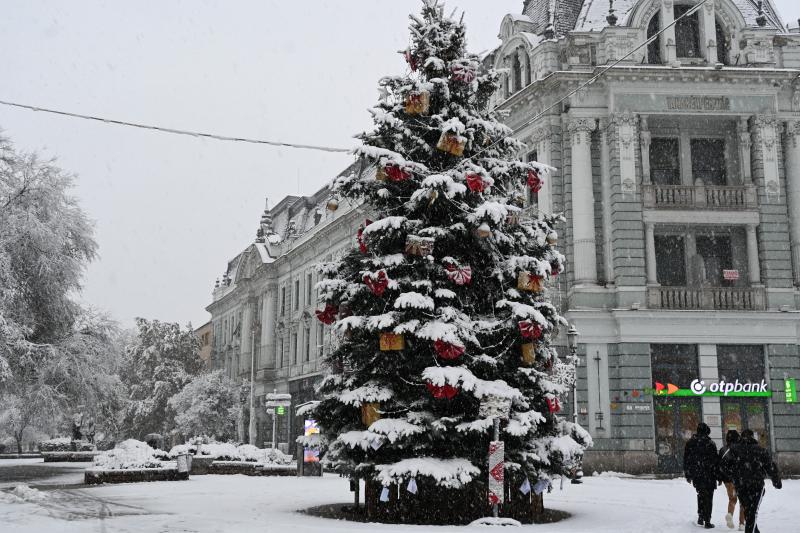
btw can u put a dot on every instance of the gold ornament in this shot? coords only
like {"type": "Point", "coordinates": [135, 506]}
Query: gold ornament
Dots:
{"type": "Point", "coordinates": [333, 204]}
{"type": "Point", "coordinates": [483, 231]}
{"type": "Point", "coordinates": [370, 413]}
{"type": "Point", "coordinates": [392, 342]}
{"type": "Point", "coordinates": [418, 102]}
{"type": "Point", "coordinates": [528, 353]}
{"type": "Point", "coordinates": [529, 282]}
{"type": "Point", "coordinates": [452, 144]}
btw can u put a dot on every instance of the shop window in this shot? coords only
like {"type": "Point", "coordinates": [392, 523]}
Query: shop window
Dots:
{"type": "Point", "coordinates": [746, 364]}
{"type": "Point", "coordinates": [654, 48]}
{"type": "Point", "coordinates": [665, 167]}
{"type": "Point", "coordinates": [687, 33]}
{"type": "Point", "coordinates": [708, 161]}
{"type": "Point", "coordinates": [670, 260]}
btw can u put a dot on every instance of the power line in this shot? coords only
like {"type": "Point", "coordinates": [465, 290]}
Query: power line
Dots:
{"type": "Point", "coordinates": [176, 131]}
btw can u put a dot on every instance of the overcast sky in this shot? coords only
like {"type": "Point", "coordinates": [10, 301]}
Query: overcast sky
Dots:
{"type": "Point", "coordinates": [170, 210]}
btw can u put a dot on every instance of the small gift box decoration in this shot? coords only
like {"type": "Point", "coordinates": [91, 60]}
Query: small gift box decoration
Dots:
{"type": "Point", "coordinates": [332, 205]}
{"type": "Point", "coordinates": [529, 282]}
{"type": "Point", "coordinates": [530, 330]}
{"type": "Point", "coordinates": [534, 181]}
{"type": "Point", "coordinates": [463, 72]}
{"type": "Point", "coordinates": [442, 392]}
{"type": "Point", "coordinates": [452, 144]}
{"type": "Point", "coordinates": [377, 283]}
{"type": "Point", "coordinates": [448, 350]}
{"type": "Point", "coordinates": [553, 405]}
{"type": "Point", "coordinates": [392, 172]}
{"type": "Point", "coordinates": [328, 315]}
{"type": "Point", "coordinates": [392, 342]}
{"type": "Point", "coordinates": [483, 231]}
{"type": "Point", "coordinates": [475, 183]}
{"type": "Point", "coordinates": [370, 413]}
{"type": "Point", "coordinates": [422, 246]}
{"type": "Point", "coordinates": [459, 275]}
{"type": "Point", "coordinates": [528, 352]}
{"type": "Point", "coordinates": [552, 238]}
{"type": "Point", "coordinates": [418, 103]}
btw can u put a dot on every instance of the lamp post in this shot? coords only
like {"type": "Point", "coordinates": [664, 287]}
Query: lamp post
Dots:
{"type": "Point", "coordinates": [572, 341]}
{"type": "Point", "coordinates": [252, 428]}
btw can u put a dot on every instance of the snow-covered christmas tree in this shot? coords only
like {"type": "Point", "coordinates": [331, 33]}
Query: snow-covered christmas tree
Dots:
{"type": "Point", "coordinates": [442, 307]}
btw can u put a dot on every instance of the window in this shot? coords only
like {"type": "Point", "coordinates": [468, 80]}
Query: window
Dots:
{"type": "Point", "coordinates": [654, 48]}
{"type": "Point", "coordinates": [687, 33]}
{"type": "Point", "coordinates": [670, 260]}
{"type": "Point", "coordinates": [745, 363]}
{"type": "Point", "coordinates": [716, 253]}
{"type": "Point", "coordinates": [517, 70]}
{"type": "Point", "coordinates": [296, 294]}
{"type": "Point", "coordinates": [320, 340]}
{"type": "Point", "coordinates": [665, 168]}
{"type": "Point", "coordinates": [708, 161]}
{"type": "Point", "coordinates": [307, 339]}
{"type": "Point", "coordinates": [283, 300]}
{"type": "Point", "coordinates": [723, 45]}
{"type": "Point", "coordinates": [295, 348]}
{"type": "Point", "coordinates": [309, 288]}
{"type": "Point", "coordinates": [279, 355]}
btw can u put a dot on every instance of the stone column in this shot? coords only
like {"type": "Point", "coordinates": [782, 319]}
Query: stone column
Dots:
{"type": "Point", "coordinates": [743, 130]}
{"type": "Point", "coordinates": [667, 41]}
{"type": "Point", "coordinates": [766, 138]}
{"type": "Point", "coordinates": [524, 67]}
{"type": "Point", "coordinates": [753, 265]}
{"type": "Point", "coordinates": [268, 323]}
{"type": "Point", "coordinates": [792, 165]}
{"type": "Point", "coordinates": [708, 35]}
{"type": "Point", "coordinates": [605, 184]}
{"type": "Point", "coordinates": [583, 239]}
{"type": "Point", "coordinates": [650, 251]}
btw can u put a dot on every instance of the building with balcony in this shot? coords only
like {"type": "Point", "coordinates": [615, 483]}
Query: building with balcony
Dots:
{"type": "Point", "coordinates": [679, 174]}
{"type": "Point", "coordinates": [262, 309]}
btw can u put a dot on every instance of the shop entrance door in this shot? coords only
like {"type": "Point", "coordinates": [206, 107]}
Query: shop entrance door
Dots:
{"type": "Point", "coordinates": [746, 413]}
{"type": "Point", "coordinates": [676, 422]}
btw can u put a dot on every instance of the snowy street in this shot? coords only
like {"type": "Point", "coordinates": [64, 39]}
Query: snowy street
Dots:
{"type": "Point", "coordinates": [271, 504]}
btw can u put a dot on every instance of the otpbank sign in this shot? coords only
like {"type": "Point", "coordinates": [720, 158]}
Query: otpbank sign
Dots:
{"type": "Point", "coordinates": [730, 389]}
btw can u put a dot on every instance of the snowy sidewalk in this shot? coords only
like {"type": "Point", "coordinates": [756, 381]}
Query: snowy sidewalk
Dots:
{"type": "Point", "coordinates": [244, 504]}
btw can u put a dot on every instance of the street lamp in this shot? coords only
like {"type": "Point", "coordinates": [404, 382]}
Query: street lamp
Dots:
{"type": "Point", "coordinates": [572, 341]}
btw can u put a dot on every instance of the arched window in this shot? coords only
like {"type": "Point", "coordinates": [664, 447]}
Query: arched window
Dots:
{"type": "Point", "coordinates": [687, 33]}
{"type": "Point", "coordinates": [654, 48]}
{"type": "Point", "coordinates": [723, 45]}
{"type": "Point", "coordinates": [517, 72]}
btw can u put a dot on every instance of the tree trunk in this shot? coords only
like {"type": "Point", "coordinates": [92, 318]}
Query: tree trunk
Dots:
{"type": "Point", "coordinates": [18, 438]}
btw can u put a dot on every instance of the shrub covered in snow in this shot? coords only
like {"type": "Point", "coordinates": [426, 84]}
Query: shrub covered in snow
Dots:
{"type": "Point", "coordinates": [220, 451]}
{"type": "Point", "coordinates": [60, 444]}
{"type": "Point", "coordinates": [130, 454]}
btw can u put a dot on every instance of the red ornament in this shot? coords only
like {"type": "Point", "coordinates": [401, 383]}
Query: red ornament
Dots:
{"type": "Point", "coordinates": [459, 276]}
{"type": "Point", "coordinates": [377, 283]}
{"type": "Point", "coordinates": [475, 183]}
{"type": "Point", "coordinates": [328, 315]}
{"type": "Point", "coordinates": [463, 73]}
{"type": "Point", "coordinates": [362, 246]}
{"type": "Point", "coordinates": [395, 173]}
{"type": "Point", "coordinates": [411, 60]}
{"type": "Point", "coordinates": [534, 181]}
{"type": "Point", "coordinates": [447, 350]}
{"type": "Point", "coordinates": [530, 329]}
{"type": "Point", "coordinates": [442, 392]}
{"type": "Point", "coordinates": [554, 268]}
{"type": "Point", "coordinates": [553, 405]}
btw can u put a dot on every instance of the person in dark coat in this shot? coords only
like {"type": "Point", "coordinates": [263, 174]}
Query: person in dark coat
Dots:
{"type": "Point", "coordinates": [726, 477]}
{"type": "Point", "coordinates": [750, 465]}
{"type": "Point", "coordinates": [700, 466]}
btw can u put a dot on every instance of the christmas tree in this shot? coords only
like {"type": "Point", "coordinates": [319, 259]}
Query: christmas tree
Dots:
{"type": "Point", "coordinates": [442, 309]}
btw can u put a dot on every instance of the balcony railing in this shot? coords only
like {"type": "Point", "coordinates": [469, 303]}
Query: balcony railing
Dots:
{"type": "Point", "coordinates": [700, 196]}
{"type": "Point", "coordinates": [718, 298]}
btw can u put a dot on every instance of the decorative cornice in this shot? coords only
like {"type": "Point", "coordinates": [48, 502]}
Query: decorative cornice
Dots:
{"type": "Point", "coordinates": [581, 125]}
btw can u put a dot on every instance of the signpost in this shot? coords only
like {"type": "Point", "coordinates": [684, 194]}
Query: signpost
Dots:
{"type": "Point", "coordinates": [276, 405]}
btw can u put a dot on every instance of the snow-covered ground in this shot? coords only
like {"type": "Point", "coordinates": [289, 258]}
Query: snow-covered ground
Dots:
{"type": "Point", "coordinates": [244, 504]}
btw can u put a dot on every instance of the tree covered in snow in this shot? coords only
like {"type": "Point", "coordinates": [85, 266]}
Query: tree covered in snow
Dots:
{"type": "Point", "coordinates": [54, 355]}
{"type": "Point", "coordinates": [443, 307]}
{"type": "Point", "coordinates": [162, 360]}
{"type": "Point", "coordinates": [207, 405]}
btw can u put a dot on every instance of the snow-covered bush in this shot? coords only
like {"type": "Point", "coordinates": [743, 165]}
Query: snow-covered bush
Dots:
{"type": "Point", "coordinates": [129, 454]}
{"type": "Point", "coordinates": [230, 452]}
{"type": "Point", "coordinates": [60, 444]}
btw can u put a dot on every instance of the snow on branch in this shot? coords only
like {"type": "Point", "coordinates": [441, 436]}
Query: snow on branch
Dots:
{"type": "Point", "coordinates": [448, 473]}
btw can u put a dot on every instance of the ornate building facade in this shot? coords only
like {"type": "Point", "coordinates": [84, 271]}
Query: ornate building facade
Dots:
{"type": "Point", "coordinates": [679, 175]}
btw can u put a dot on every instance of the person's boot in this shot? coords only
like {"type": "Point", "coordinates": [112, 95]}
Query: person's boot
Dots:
{"type": "Point", "coordinates": [708, 525]}
{"type": "Point", "coordinates": [699, 520]}
{"type": "Point", "coordinates": [729, 520]}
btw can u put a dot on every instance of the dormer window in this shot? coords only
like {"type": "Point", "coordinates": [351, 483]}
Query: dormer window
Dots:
{"type": "Point", "coordinates": [687, 33]}
{"type": "Point", "coordinates": [516, 70]}
{"type": "Point", "coordinates": [654, 48]}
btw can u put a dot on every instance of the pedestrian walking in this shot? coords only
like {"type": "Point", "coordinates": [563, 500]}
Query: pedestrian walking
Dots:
{"type": "Point", "coordinates": [751, 464]}
{"type": "Point", "coordinates": [700, 466]}
{"type": "Point", "coordinates": [726, 477]}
